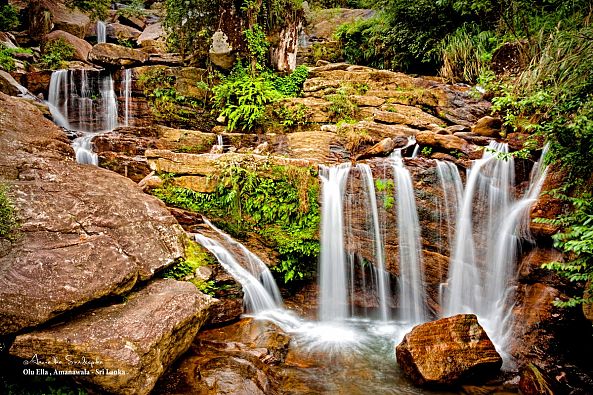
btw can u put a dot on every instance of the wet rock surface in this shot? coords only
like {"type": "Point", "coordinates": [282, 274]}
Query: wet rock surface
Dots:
{"type": "Point", "coordinates": [124, 347]}
{"type": "Point", "coordinates": [447, 351]}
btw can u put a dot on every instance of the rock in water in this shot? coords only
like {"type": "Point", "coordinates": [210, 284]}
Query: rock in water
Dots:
{"type": "Point", "coordinates": [125, 347]}
{"type": "Point", "coordinates": [446, 351]}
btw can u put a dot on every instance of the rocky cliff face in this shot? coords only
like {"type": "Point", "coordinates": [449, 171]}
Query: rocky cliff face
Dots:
{"type": "Point", "coordinates": [85, 234]}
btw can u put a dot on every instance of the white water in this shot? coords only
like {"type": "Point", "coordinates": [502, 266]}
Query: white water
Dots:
{"type": "Point", "coordinates": [101, 32]}
{"type": "Point", "coordinates": [219, 140]}
{"type": "Point", "coordinates": [412, 295]}
{"type": "Point", "coordinates": [488, 232]}
{"type": "Point", "coordinates": [127, 94]}
{"type": "Point", "coordinates": [83, 101]}
{"type": "Point", "coordinates": [333, 282]}
{"type": "Point", "coordinates": [452, 187]}
{"type": "Point", "coordinates": [382, 275]}
{"type": "Point", "coordinates": [256, 298]}
{"type": "Point", "coordinates": [255, 265]}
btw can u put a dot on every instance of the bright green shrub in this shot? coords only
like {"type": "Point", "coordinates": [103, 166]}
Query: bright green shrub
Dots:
{"type": "Point", "coordinates": [8, 221]}
{"type": "Point", "coordinates": [55, 53]}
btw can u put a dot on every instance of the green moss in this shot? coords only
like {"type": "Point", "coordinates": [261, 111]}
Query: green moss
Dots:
{"type": "Point", "coordinates": [8, 219]}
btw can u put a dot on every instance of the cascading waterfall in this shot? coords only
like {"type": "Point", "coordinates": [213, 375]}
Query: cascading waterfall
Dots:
{"type": "Point", "coordinates": [83, 101]}
{"type": "Point", "coordinates": [256, 299]}
{"type": "Point", "coordinates": [381, 274]}
{"type": "Point", "coordinates": [101, 32]}
{"type": "Point", "coordinates": [411, 280]}
{"type": "Point", "coordinates": [452, 187]}
{"type": "Point", "coordinates": [333, 282]}
{"type": "Point", "coordinates": [127, 94]}
{"type": "Point", "coordinates": [256, 266]}
{"type": "Point", "coordinates": [485, 252]}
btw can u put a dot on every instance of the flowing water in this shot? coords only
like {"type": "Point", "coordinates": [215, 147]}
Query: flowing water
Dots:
{"type": "Point", "coordinates": [83, 101]}
{"type": "Point", "coordinates": [127, 94]}
{"type": "Point", "coordinates": [412, 296]}
{"type": "Point", "coordinates": [101, 32]}
{"type": "Point", "coordinates": [487, 242]}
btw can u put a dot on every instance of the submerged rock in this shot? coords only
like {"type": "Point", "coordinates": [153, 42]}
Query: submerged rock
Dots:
{"type": "Point", "coordinates": [447, 351]}
{"type": "Point", "coordinates": [125, 347]}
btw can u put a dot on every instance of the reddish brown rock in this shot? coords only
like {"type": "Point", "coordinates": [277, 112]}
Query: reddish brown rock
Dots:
{"type": "Point", "coordinates": [447, 351]}
{"type": "Point", "coordinates": [138, 338]}
{"type": "Point", "coordinates": [445, 141]}
{"type": "Point", "coordinates": [382, 148]}
{"type": "Point", "coordinates": [114, 55]}
{"type": "Point", "coordinates": [487, 126]}
{"type": "Point", "coordinates": [83, 229]}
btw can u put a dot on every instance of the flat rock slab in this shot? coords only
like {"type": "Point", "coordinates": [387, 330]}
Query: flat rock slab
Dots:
{"type": "Point", "coordinates": [123, 348]}
{"type": "Point", "coordinates": [85, 232]}
{"type": "Point", "coordinates": [446, 351]}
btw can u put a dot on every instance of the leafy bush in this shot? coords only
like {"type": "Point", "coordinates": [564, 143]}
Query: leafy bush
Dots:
{"type": "Point", "coordinates": [8, 221]}
{"type": "Point", "coordinates": [9, 18]}
{"type": "Point", "coordinates": [135, 9]}
{"type": "Point", "coordinates": [576, 241]}
{"type": "Point", "coordinates": [243, 96]}
{"type": "Point", "coordinates": [55, 53]}
{"type": "Point", "coordinates": [6, 59]}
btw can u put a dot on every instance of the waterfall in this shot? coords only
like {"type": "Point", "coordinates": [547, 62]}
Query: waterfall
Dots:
{"type": "Point", "coordinates": [255, 265]}
{"type": "Point", "coordinates": [382, 276]}
{"type": "Point", "coordinates": [101, 32]}
{"type": "Point", "coordinates": [256, 298]}
{"type": "Point", "coordinates": [411, 280]}
{"type": "Point", "coordinates": [452, 194]}
{"type": "Point", "coordinates": [83, 101]}
{"type": "Point", "coordinates": [488, 233]}
{"type": "Point", "coordinates": [333, 302]}
{"type": "Point", "coordinates": [127, 94]}
{"type": "Point", "coordinates": [219, 140]}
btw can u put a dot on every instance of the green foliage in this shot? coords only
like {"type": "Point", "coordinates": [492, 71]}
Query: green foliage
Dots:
{"type": "Point", "coordinates": [55, 53]}
{"type": "Point", "coordinates": [9, 18]}
{"type": "Point", "coordinates": [168, 105]}
{"type": "Point", "coordinates": [385, 189]}
{"type": "Point", "coordinates": [99, 9]}
{"type": "Point", "coordinates": [292, 116]}
{"type": "Point", "coordinates": [576, 241]}
{"type": "Point", "coordinates": [281, 207]}
{"type": "Point", "coordinates": [6, 59]}
{"type": "Point", "coordinates": [258, 45]}
{"type": "Point", "coordinates": [8, 219]}
{"type": "Point", "coordinates": [405, 34]}
{"type": "Point", "coordinates": [135, 9]}
{"type": "Point", "coordinates": [426, 151]}
{"type": "Point", "coordinates": [341, 108]}
{"type": "Point", "coordinates": [243, 96]}
{"type": "Point", "coordinates": [189, 25]}
{"type": "Point", "coordinates": [466, 53]}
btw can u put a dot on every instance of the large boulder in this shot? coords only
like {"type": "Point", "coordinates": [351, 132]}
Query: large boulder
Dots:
{"type": "Point", "coordinates": [124, 347]}
{"type": "Point", "coordinates": [68, 19]}
{"type": "Point", "coordinates": [85, 232]}
{"type": "Point", "coordinates": [117, 31]}
{"type": "Point", "coordinates": [114, 55]}
{"type": "Point", "coordinates": [487, 126]}
{"type": "Point", "coordinates": [152, 38]}
{"type": "Point", "coordinates": [447, 351]}
{"type": "Point", "coordinates": [81, 47]}
{"type": "Point", "coordinates": [8, 84]}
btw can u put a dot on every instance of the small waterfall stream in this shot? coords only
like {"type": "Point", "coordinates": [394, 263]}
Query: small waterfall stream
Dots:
{"type": "Point", "coordinates": [411, 279]}
{"type": "Point", "coordinates": [101, 32]}
{"type": "Point", "coordinates": [85, 101]}
{"type": "Point", "coordinates": [127, 94]}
